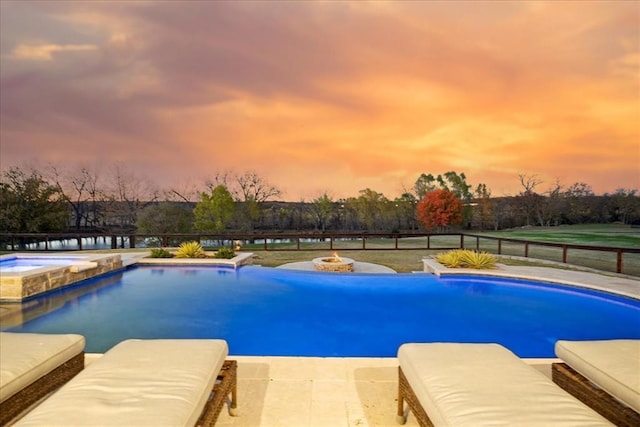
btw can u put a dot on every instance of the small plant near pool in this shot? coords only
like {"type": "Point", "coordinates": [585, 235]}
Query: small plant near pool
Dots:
{"type": "Point", "coordinates": [160, 253]}
{"type": "Point", "coordinates": [190, 250]}
{"type": "Point", "coordinates": [464, 258]}
{"type": "Point", "coordinates": [225, 253]}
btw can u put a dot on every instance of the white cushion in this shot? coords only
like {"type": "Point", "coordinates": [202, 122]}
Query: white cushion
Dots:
{"type": "Point", "coordinates": [486, 384]}
{"type": "Point", "coordinates": [24, 358]}
{"type": "Point", "coordinates": [612, 365]}
{"type": "Point", "coordinates": [137, 383]}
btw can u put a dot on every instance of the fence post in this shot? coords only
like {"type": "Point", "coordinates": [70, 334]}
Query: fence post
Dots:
{"type": "Point", "coordinates": [526, 250]}
{"type": "Point", "coordinates": [132, 241]}
{"type": "Point", "coordinates": [79, 242]}
{"type": "Point", "coordinates": [499, 246]}
{"type": "Point", "coordinates": [46, 242]}
{"type": "Point", "coordinates": [564, 254]}
{"type": "Point", "coordinates": [477, 243]}
{"type": "Point", "coordinates": [461, 241]}
{"type": "Point", "coordinates": [619, 261]}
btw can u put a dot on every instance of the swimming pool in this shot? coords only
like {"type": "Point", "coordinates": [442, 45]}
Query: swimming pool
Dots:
{"type": "Point", "coordinates": [265, 311]}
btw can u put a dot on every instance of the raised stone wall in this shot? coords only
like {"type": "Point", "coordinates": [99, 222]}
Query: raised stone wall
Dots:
{"type": "Point", "coordinates": [16, 287]}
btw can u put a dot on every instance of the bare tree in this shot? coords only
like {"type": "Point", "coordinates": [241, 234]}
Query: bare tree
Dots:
{"type": "Point", "coordinates": [80, 188]}
{"type": "Point", "coordinates": [255, 188]}
{"type": "Point", "coordinates": [129, 194]}
{"type": "Point", "coordinates": [528, 199]}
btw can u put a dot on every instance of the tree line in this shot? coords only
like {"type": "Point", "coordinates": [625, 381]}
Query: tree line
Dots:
{"type": "Point", "coordinates": [80, 199]}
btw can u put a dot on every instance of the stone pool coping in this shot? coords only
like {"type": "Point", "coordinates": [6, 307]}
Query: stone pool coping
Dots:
{"type": "Point", "coordinates": [601, 281]}
{"type": "Point", "coordinates": [241, 258]}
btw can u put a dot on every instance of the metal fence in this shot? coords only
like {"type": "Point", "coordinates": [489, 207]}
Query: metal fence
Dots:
{"type": "Point", "coordinates": [618, 259]}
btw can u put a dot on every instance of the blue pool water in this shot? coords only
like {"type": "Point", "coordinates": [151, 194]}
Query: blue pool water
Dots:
{"type": "Point", "coordinates": [265, 311]}
{"type": "Point", "coordinates": [38, 261]}
{"type": "Point", "coordinates": [16, 264]}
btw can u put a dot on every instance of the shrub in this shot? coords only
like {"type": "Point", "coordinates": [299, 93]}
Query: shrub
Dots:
{"type": "Point", "coordinates": [463, 258]}
{"type": "Point", "coordinates": [190, 250]}
{"type": "Point", "coordinates": [160, 253]}
{"type": "Point", "coordinates": [226, 253]}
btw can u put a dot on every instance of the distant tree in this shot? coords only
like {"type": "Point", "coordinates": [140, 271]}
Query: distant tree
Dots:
{"type": "Point", "coordinates": [128, 194]}
{"type": "Point", "coordinates": [166, 217]}
{"type": "Point", "coordinates": [80, 188]}
{"type": "Point", "coordinates": [581, 205]}
{"type": "Point", "coordinates": [551, 210]}
{"type": "Point", "coordinates": [29, 204]}
{"type": "Point", "coordinates": [450, 181]}
{"type": "Point", "coordinates": [254, 187]}
{"type": "Point", "coordinates": [528, 200]}
{"type": "Point", "coordinates": [439, 208]}
{"type": "Point", "coordinates": [625, 205]}
{"type": "Point", "coordinates": [323, 210]}
{"type": "Point", "coordinates": [405, 211]}
{"type": "Point", "coordinates": [214, 211]}
{"type": "Point", "coordinates": [370, 207]}
{"type": "Point", "coordinates": [424, 184]}
{"type": "Point", "coordinates": [251, 191]}
{"type": "Point", "coordinates": [484, 209]}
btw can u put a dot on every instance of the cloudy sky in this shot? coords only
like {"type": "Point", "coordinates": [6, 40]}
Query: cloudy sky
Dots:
{"type": "Point", "coordinates": [332, 96]}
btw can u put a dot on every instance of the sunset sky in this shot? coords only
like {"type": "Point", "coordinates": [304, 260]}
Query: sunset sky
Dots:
{"type": "Point", "coordinates": [332, 96]}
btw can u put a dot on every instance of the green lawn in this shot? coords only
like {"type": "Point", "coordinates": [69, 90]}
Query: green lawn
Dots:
{"type": "Point", "coordinates": [616, 235]}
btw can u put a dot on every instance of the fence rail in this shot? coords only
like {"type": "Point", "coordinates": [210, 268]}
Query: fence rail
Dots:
{"type": "Point", "coordinates": [627, 260]}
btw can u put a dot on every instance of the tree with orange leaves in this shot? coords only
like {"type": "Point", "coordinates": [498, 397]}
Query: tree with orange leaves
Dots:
{"type": "Point", "coordinates": [439, 208]}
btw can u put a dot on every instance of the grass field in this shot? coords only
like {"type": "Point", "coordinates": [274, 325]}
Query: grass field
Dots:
{"type": "Point", "coordinates": [615, 235]}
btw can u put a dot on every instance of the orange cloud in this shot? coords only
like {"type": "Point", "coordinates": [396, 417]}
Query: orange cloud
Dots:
{"type": "Point", "coordinates": [333, 95]}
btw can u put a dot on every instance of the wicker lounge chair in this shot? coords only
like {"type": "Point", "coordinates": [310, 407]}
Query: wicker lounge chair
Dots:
{"type": "Point", "coordinates": [146, 383]}
{"type": "Point", "coordinates": [604, 374]}
{"type": "Point", "coordinates": [34, 365]}
{"type": "Point", "coordinates": [452, 384]}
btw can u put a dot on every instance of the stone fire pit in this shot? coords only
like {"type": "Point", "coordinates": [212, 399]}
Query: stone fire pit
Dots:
{"type": "Point", "coordinates": [333, 264]}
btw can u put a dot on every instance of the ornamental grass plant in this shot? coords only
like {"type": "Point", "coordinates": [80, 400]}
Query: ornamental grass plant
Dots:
{"type": "Point", "coordinates": [464, 258]}
{"type": "Point", "coordinates": [190, 250]}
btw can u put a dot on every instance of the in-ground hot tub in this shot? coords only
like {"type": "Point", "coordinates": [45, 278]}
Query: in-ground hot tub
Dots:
{"type": "Point", "coordinates": [25, 275]}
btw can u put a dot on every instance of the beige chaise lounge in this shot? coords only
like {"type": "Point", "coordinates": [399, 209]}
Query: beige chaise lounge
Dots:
{"type": "Point", "coordinates": [604, 374]}
{"type": "Point", "coordinates": [452, 384]}
{"type": "Point", "coordinates": [145, 383]}
{"type": "Point", "coordinates": [34, 365]}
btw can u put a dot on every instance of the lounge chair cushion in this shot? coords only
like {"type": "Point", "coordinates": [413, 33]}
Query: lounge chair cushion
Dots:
{"type": "Point", "coordinates": [461, 384]}
{"type": "Point", "coordinates": [138, 383]}
{"type": "Point", "coordinates": [27, 357]}
{"type": "Point", "coordinates": [612, 365]}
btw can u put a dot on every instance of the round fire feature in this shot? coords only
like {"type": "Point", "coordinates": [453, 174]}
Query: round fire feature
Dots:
{"type": "Point", "coordinates": [333, 264]}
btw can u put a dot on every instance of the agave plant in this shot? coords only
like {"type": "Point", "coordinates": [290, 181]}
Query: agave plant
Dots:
{"type": "Point", "coordinates": [450, 259]}
{"type": "Point", "coordinates": [478, 260]}
{"type": "Point", "coordinates": [464, 258]}
{"type": "Point", "coordinates": [190, 250]}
